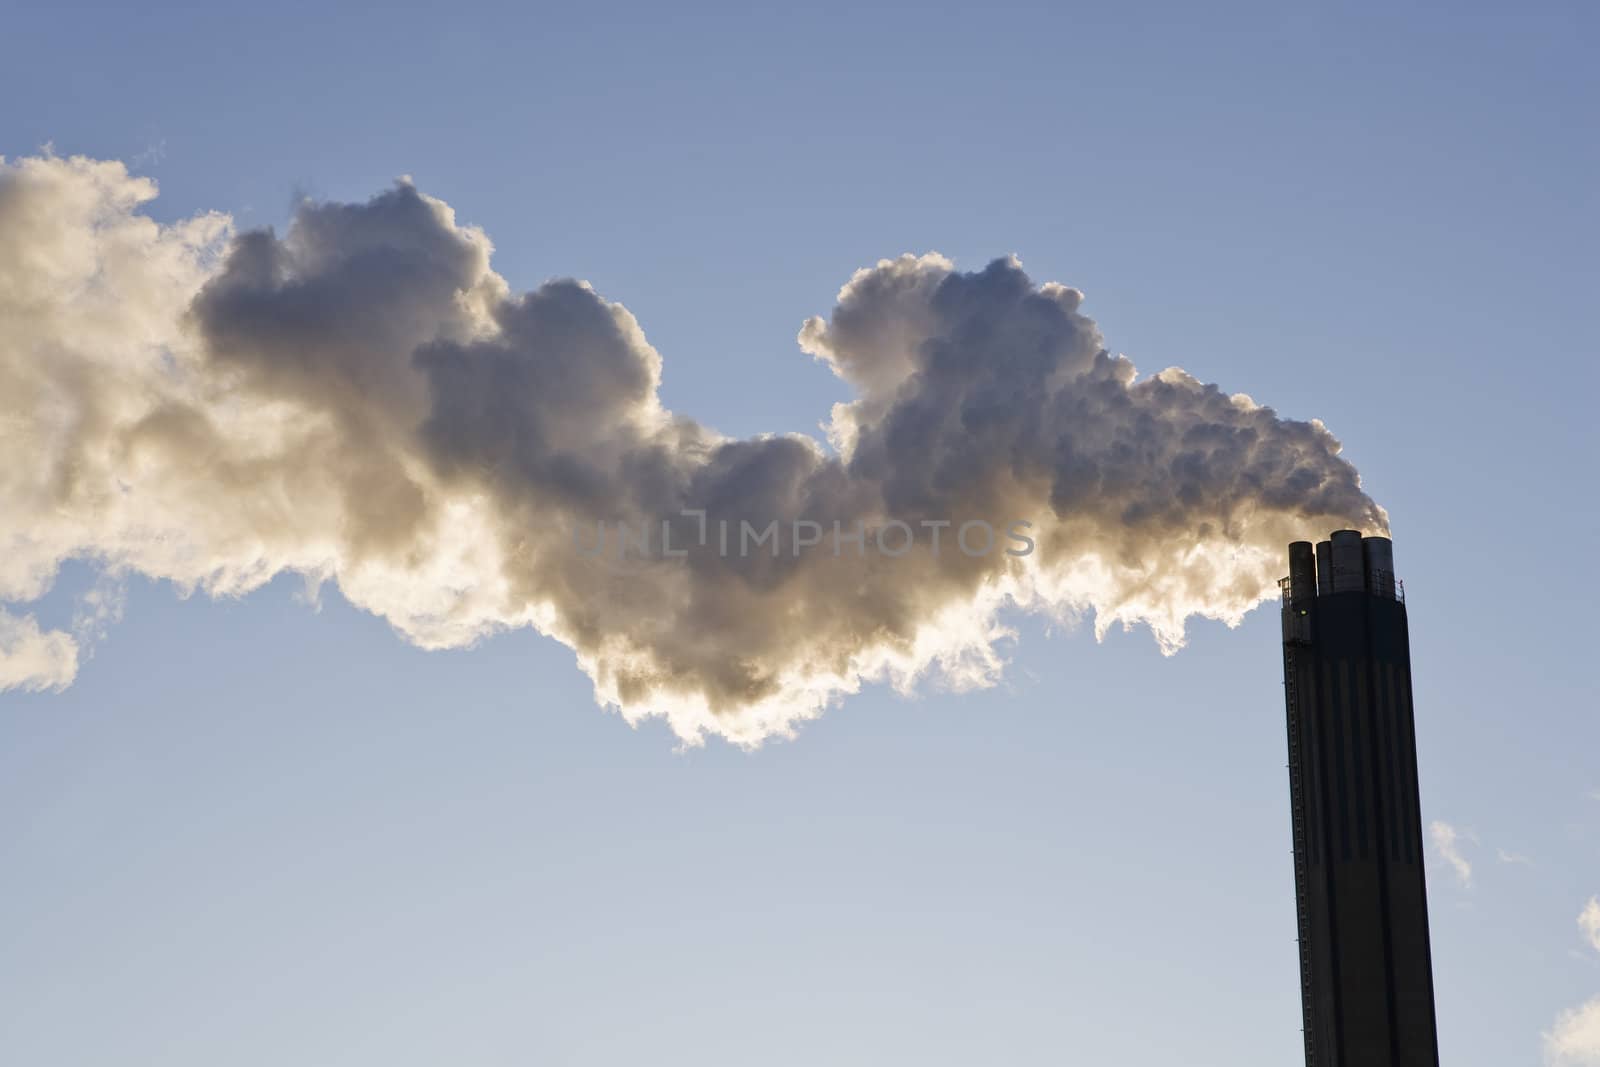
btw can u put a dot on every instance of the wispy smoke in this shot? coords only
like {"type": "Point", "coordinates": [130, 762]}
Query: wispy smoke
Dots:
{"type": "Point", "coordinates": [364, 400]}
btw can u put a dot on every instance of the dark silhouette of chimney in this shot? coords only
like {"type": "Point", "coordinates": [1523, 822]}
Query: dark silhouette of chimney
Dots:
{"type": "Point", "coordinates": [1366, 973]}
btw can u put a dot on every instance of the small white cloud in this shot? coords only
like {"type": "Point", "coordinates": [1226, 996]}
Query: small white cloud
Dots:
{"type": "Point", "coordinates": [1510, 857]}
{"type": "Point", "coordinates": [1589, 922]}
{"type": "Point", "coordinates": [1447, 840]}
{"type": "Point", "coordinates": [1574, 1041]}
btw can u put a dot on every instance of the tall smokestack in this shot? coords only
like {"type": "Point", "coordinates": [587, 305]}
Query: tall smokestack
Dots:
{"type": "Point", "coordinates": [1366, 976]}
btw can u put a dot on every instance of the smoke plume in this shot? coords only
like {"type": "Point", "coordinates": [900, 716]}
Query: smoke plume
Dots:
{"type": "Point", "coordinates": [363, 400]}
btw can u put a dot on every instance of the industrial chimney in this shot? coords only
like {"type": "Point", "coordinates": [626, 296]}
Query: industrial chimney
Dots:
{"type": "Point", "coordinates": [1366, 974]}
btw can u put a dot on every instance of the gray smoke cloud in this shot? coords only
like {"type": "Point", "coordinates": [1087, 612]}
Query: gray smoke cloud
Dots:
{"type": "Point", "coordinates": [363, 400]}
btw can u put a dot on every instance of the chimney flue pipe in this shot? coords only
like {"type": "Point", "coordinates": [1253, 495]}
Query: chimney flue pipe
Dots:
{"type": "Point", "coordinates": [1379, 553]}
{"type": "Point", "coordinates": [1302, 572]}
{"type": "Point", "coordinates": [1349, 567]}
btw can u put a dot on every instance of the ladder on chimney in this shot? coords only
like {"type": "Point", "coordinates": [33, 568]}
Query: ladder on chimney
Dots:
{"type": "Point", "coordinates": [1297, 806]}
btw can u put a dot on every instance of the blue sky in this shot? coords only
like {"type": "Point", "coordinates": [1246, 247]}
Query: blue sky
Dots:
{"type": "Point", "coordinates": [253, 832]}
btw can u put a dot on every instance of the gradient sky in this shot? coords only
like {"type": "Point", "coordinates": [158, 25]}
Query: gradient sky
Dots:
{"type": "Point", "coordinates": [258, 833]}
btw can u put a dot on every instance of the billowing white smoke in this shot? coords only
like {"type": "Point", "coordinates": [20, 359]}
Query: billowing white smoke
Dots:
{"type": "Point", "coordinates": [364, 400]}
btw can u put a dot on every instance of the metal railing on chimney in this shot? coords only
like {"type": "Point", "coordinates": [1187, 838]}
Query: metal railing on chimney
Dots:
{"type": "Point", "coordinates": [1379, 583]}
